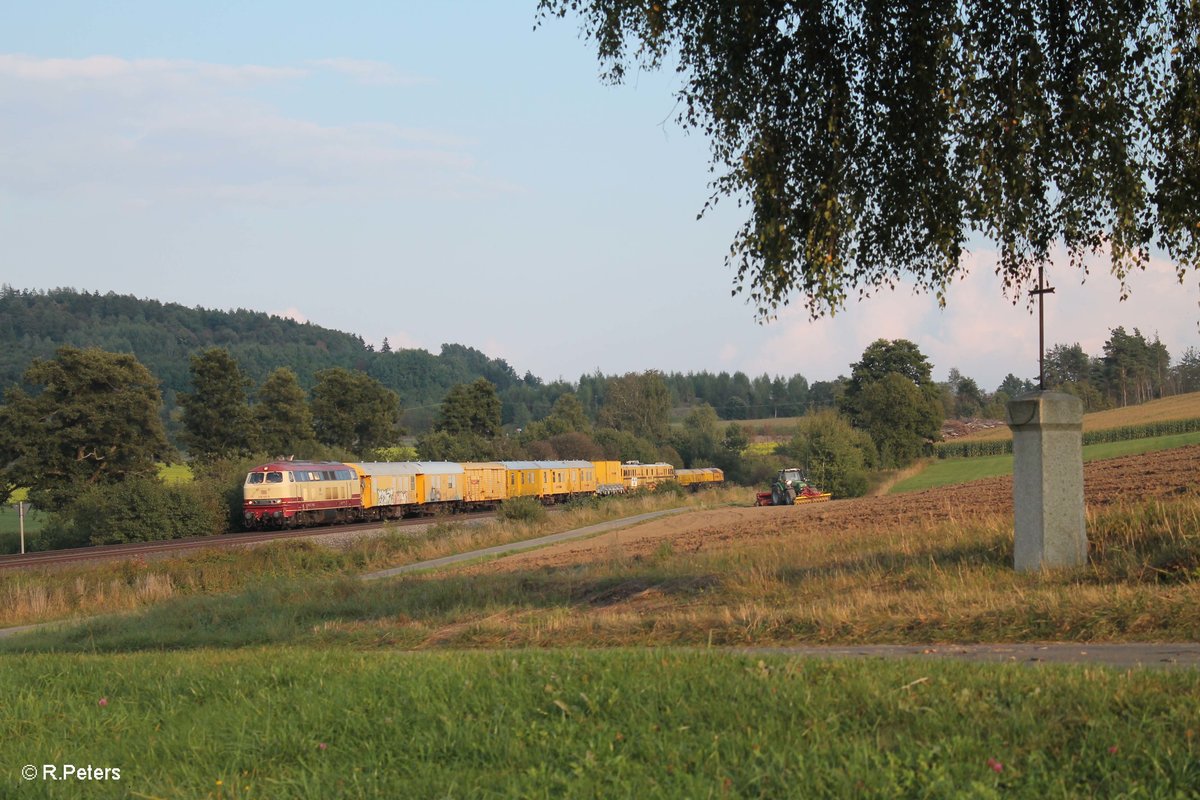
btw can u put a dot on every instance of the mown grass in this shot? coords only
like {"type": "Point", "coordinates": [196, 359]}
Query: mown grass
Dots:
{"type": "Point", "coordinates": [38, 595]}
{"type": "Point", "coordinates": [950, 581]}
{"type": "Point", "coordinates": [297, 723]}
{"type": "Point", "coordinates": [950, 471]}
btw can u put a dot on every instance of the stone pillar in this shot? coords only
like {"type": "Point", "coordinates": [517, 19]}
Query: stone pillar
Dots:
{"type": "Point", "coordinates": [1049, 528]}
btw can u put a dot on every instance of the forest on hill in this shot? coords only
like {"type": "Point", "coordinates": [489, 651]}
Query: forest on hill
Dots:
{"type": "Point", "coordinates": [164, 336]}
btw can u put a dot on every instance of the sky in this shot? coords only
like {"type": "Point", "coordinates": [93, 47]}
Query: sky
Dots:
{"type": "Point", "coordinates": [440, 172]}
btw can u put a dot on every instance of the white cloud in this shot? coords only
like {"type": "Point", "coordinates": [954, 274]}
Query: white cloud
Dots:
{"type": "Point", "coordinates": [291, 313]}
{"type": "Point", "coordinates": [106, 69]}
{"type": "Point", "coordinates": [164, 130]}
{"type": "Point", "coordinates": [980, 331]}
{"type": "Point", "coordinates": [371, 73]}
{"type": "Point", "coordinates": [401, 340]}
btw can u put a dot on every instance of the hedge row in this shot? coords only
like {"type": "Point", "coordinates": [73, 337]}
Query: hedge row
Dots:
{"type": "Point", "coordinates": [999, 447]}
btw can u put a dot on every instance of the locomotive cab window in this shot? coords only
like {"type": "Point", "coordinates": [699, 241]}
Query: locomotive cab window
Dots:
{"type": "Point", "coordinates": [274, 477]}
{"type": "Point", "coordinates": [254, 478]}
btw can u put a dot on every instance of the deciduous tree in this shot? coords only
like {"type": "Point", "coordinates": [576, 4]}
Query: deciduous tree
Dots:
{"type": "Point", "coordinates": [637, 403]}
{"type": "Point", "coordinates": [833, 454]}
{"type": "Point", "coordinates": [891, 395]}
{"type": "Point", "coordinates": [471, 408]}
{"type": "Point", "coordinates": [92, 419]}
{"type": "Point", "coordinates": [870, 140]}
{"type": "Point", "coordinates": [699, 441]}
{"type": "Point", "coordinates": [354, 411]}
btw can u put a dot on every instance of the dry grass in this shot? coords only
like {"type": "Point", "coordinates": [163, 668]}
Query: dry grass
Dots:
{"type": "Point", "coordinates": [1182, 406]}
{"type": "Point", "coordinates": [944, 582]}
{"type": "Point", "coordinates": [784, 581]}
{"type": "Point", "coordinates": [29, 596]}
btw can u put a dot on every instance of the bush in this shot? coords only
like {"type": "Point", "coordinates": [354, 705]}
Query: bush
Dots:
{"type": "Point", "coordinates": [672, 488]}
{"type": "Point", "coordinates": [522, 509]}
{"type": "Point", "coordinates": [223, 482]}
{"type": "Point", "coordinates": [835, 456]}
{"type": "Point", "coordinates": [137, 510]}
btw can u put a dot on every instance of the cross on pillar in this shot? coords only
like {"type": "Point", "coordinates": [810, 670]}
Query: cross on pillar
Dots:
{"type": "Point", "coordinates": [1041, 290]}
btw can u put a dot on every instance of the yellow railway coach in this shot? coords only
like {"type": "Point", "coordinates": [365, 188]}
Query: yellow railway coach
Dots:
{"type": "Point", "coordinates": [393, 488]}
{"type": "Point", "coordinates": [581, 478]}
{"type": "Point", "coordinates": [523, 478]}
{"type": "Point", "coordinates": [608, 477]}
{"type": "Point", "coordinates": [699, 477]}
{"type": "Point", "coordinates": [484, 482]}
{"type": "Point", "coordinates": [636, 475]}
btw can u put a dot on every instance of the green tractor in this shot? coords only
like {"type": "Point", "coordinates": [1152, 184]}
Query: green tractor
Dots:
{"type": "Point", "coordinates": [791, 488]}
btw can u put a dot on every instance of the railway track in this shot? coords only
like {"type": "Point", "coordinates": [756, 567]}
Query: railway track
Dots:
{"type": "Point", "coordinates": [179, 546]}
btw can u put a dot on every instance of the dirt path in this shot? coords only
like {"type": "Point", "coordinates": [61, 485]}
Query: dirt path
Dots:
{"type": "Point", "coordinates": [1125, 655]}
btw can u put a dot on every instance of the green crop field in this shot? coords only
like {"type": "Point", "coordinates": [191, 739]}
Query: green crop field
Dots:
{"type": "Point", "coordinates": [175, 473]}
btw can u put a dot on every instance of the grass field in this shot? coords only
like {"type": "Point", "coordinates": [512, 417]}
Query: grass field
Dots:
{"type": "Point", "coordinates": [286, 723]}
{"type": "Point", "coordinates": [320, 686]}
{"type": "Point", "coordinates": [275, 673]}
{"type": "Point", "coordinates": [1182, 406]}
{"type": "Point", "coordinates": [10, 528]}
{"type": "Point", "coordinates": [949, 471]}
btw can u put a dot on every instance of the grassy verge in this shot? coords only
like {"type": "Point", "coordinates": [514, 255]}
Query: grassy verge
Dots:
{"type": "Point", "coordinates": [28, 596]}
{"type": "Point", "coordinates": [950, 581]}
{"type": "Point", "coordinates": [950, 471]}
{"type": "Point", "coordinates": [294, 723]}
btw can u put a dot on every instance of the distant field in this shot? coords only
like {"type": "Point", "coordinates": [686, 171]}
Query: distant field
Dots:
{"type": "Point", "coordinates": [10, 528]}
{"type": "Point", "coordinates": [946, 472]}
{"type": "Point", "coordinates": [175, 473]}
{"type": "Point", "coordinates": [1182, 406]}
{"type": "Point", "coordinates": [770, 426]}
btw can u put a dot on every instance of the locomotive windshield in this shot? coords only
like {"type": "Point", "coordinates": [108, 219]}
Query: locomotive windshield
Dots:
{"type": "Point", "coordinates": [268, 477]}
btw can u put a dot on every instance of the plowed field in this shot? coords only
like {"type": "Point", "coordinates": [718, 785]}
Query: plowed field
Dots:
{"type": "Point", "coordinates": [1131, 478]}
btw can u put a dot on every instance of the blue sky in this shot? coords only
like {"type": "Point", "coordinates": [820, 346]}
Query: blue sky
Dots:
{"type": "Point", "coordinates": [436, 172]}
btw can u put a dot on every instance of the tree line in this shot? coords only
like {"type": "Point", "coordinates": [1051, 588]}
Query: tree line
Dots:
{"type": "Point", "coordinates": [164, 336]}
{"type": "Point", "coordinates": [84, 432]}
